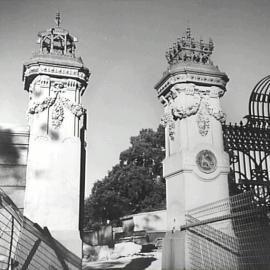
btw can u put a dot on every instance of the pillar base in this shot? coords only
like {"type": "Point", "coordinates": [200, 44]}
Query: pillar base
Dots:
{"type": "Point", "coordinates": [174, 252]}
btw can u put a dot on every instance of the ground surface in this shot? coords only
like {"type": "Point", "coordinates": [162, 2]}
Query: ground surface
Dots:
{"type": "Point", "coordinates": [141, 261]}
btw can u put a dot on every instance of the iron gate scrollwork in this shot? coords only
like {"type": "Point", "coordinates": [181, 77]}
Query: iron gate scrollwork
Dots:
{"type": "Point", "coordinates": [248, 146]}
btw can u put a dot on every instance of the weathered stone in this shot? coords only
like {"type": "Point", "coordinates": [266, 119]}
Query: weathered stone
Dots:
{"type": "Point", "coordinates": [196, 165]}
{"type": "Point", "coordinates": [56, 80]}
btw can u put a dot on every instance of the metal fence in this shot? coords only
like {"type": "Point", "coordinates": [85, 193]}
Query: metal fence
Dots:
{"type": "Point", "coordinates": [25, 245]}
{"type": "Point", "coordinates": [229, 234]}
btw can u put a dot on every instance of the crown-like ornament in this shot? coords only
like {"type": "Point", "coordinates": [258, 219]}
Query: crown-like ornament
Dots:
{"type": "Point", "coordinates": [186, 49]}
{"type": "Point", "coordinates": [56, 40]}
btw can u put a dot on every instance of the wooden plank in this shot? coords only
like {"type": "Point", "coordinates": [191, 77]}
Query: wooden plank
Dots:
{"type": "Point", "coordinates": [31, 255]}
{"type": "Point", "coordinates": [56, 250]}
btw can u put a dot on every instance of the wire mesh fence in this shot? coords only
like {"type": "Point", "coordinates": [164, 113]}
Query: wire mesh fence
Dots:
{"type": "Point", "coordinates": [229, 234]}
{"type": "Point", "coordinates": [25, 245]}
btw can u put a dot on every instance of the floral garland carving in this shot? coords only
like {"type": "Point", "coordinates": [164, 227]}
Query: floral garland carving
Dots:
{"type": "Point", "coordinates": [203, 121]}
{"type": "Point", "coordinates": [177, 110]}
{"type": "Point", "coordinates": [42, 106]}
{"type": "Point", "coordinates": [173, 112]}
{"type": "Point", "coordinates": [167, 120]}
{"type": "Point", "coordinates": [76, 109]}
{"type": "Point", "coordinates": [57, 103]}
{"type": "Point", "coordinates": [57, 114]}
{"type": "Point", "coordinates": [216, 112]}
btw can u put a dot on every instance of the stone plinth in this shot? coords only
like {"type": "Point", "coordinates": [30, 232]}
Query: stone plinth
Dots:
{"type": "Point", "coordinates": [174, 252]}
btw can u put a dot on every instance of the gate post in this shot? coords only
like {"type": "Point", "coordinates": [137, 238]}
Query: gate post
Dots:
{"type": "Point", "coordinates": [196, 166]}
{"type": "Point", "coordinates": [56, 79]}
{"type": "Point", "coordinates": [174, 253]}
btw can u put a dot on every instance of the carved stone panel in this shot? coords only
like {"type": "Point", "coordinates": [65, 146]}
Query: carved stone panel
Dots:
{"type": "Point", "coordinates": [206, 161]}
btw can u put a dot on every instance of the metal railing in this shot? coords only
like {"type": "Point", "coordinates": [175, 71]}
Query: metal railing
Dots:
{"type": "Point", "coordinates": [229, 234]}
{"type": "Point", "coordinates": [25, 245]}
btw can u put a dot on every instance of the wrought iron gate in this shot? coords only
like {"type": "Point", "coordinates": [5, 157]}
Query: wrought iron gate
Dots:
{"type": "Point", "coordinates": [248, 146]}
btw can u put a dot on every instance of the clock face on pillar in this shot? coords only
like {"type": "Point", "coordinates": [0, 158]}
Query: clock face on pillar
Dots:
{"type": "Point", "coordinates": [206, 161]}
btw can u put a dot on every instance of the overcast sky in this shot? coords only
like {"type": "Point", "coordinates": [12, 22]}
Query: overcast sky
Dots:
{"type": "Point", "coordinates": [123, 43]}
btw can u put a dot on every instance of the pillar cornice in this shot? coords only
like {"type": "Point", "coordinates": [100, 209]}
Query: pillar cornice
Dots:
{"type": "Point", "coordinates": [197, 76]}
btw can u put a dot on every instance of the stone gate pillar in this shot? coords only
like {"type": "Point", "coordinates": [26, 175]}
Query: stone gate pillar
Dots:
{"type": "Point", "coordinates": [55, 80]}
{"type": "Point", "coordinates": [196, 166]}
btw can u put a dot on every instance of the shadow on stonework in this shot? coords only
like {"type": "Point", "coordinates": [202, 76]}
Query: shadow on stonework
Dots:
{"type": "Point", "coordinates": [8, 152]}
{"type": "Point", "coordinates": [139, 263]}
{"type": "Point", "coordinates": [150, 221]}
{"type": "Point", "coordinates": [53, 135]}
{"type": "Point", "coordinates": [135, 264]}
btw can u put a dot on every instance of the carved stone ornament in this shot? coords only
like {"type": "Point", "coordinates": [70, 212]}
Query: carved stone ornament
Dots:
{"type": "Point", "coordinates": [188, 101]}
{"type": "Point", "coordinates": [203, 121]}
{"type": "Point", "coordinates": [213, 108]}
{"type": "Point", "coordinates": [206, 161]}
{"type": "Point", "coordinates": [167, 120]}
{"type": "Point", "coordinates": [58, 87]}
{"type": "Point", "coordinates": [187, 49]}
{"type": "Point", "coordinates": [57, 103]}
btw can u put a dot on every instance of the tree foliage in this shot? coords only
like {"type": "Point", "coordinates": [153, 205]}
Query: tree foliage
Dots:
{"type": "Point", "coordinates": [135, 184]}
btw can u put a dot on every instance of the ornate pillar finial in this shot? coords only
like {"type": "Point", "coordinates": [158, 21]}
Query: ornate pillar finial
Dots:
{"type": "Point", "coordinates": [58, 19]}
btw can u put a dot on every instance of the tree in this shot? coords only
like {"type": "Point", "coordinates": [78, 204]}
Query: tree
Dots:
{"type": "Point", "coordinates": [133, 185]}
